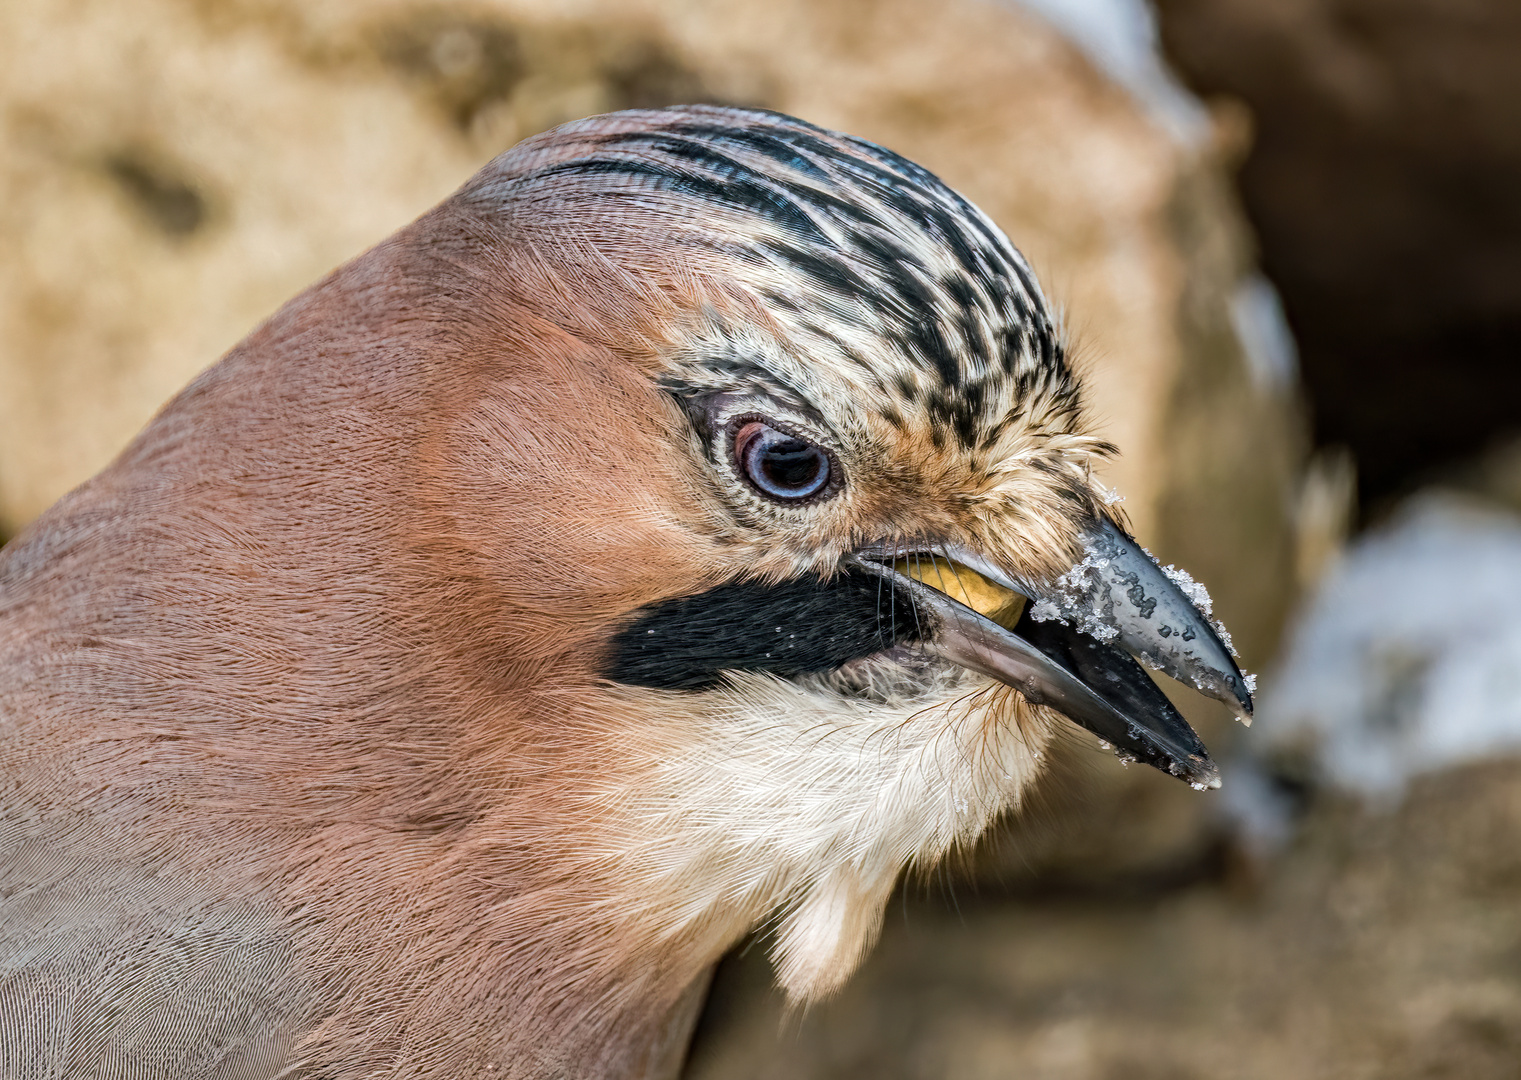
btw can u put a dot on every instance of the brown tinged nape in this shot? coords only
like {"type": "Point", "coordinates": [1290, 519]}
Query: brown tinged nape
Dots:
{"type": "Point", "coordinates": [322, 640]}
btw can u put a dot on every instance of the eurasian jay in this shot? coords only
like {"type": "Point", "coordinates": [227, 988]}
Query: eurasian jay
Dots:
{"type": "Point", "coordinates": [684, 528]}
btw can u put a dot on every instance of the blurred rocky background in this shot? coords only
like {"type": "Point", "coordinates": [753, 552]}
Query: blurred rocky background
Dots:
{"type": "Point", "coordinates": [1284, 236]}
{"type": "Point", "coordinates": [1385, 187]}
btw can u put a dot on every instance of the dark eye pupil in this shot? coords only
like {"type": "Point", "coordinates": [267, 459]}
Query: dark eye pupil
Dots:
{"type": "Point", "coordinates": [791, 464]}
{"type": "Point", "coordinates": [780, 465]}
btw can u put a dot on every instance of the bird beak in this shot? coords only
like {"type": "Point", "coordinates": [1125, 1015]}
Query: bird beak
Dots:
{"type": "Point", "coordinates": [1075, 648]}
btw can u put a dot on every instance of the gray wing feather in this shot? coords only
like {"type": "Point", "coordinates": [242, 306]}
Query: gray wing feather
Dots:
{"type": "Point", "coordinates": [130, 968]}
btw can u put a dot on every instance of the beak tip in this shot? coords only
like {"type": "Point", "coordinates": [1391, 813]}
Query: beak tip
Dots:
{"type": "Point", "coordinates": [1198, 771]}
{"type": "Point", "coordinates": [1194, 766]}
{"type": "Point", "coordinates": [1229, 687]}
{"type": "Point", "coordinates": [1243, 691]}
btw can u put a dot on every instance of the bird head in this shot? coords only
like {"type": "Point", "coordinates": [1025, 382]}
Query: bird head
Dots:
{"type": "Point", "coordinates": [682, 529]}
{"type": "Point", "coordinates": [774, 448]}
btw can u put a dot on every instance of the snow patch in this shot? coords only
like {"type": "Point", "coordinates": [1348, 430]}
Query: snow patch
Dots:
{"type": "Point", "coordinates": [1071, 600]}
{"type": "Point", "coordinates": [1045, 611]}
{"type": "Point", "coordinates": [1197, 594]}
{"type": "Point", "coordinates": [1408, 658]}
{"type": "Point", "coordinates": [1257, 317]}
{"type": "Point", "coordinates": [1120, 38]}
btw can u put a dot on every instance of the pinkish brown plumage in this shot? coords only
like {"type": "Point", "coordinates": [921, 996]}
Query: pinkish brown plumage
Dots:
{"type": "Point", "coordinates": [402, 703]}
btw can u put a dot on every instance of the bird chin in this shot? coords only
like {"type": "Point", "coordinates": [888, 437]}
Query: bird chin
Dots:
{"type": "Point", "coordinates": [903, 675]}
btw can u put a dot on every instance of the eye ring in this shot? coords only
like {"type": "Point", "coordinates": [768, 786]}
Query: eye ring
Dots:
{"type": "Point", "coordinates": [783, 467]}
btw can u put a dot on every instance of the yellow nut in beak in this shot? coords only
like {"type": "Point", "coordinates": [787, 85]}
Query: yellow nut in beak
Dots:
{"type": "Point", "coordinates": [967, 586]}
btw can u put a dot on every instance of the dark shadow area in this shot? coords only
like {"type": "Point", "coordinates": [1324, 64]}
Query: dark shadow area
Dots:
{"type": "Point", "coordinates": [166, 197]}
{"type": "Point", "coordinates": [1385, 187]}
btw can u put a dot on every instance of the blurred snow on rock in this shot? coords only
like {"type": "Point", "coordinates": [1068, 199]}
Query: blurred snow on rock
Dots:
{"type": "Point", "coordinates": [1120, 37]}
{"type": "Point", "coordinates": [1264, 815]}
{"type": "Point", "coordinates": [1408, 658]}
{"type": "Point", "coordinates": [1260, 325]}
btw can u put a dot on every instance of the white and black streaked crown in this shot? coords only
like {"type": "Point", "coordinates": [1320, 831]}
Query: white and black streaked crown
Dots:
{"type": "Point", "coordinates": [870, 256]}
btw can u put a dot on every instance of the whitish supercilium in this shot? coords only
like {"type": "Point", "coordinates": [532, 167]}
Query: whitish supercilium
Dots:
{"type": "Point", "coordinates": [683, 529]}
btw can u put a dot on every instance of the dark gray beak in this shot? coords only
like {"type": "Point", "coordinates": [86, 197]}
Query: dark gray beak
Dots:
{"type": "Point", "coordinates": [1076, 645]}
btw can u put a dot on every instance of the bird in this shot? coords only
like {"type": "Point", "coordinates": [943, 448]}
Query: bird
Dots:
{"type": "Point", "coordinates": [679, 532]}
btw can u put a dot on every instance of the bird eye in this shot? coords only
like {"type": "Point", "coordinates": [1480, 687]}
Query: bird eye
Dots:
{"type": "Point", "coordinates": [778, 464]}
